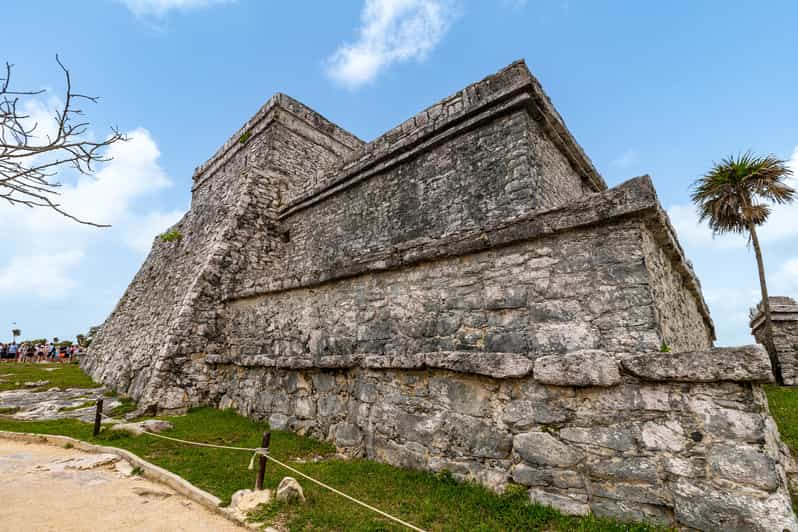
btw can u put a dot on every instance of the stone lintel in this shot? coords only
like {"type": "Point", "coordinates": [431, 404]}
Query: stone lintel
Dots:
{"type": "Point", "coordinates": [749, 363]}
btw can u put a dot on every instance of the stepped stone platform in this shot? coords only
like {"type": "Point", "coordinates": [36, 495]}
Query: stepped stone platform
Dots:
{"type": "Point", "coordinates": [462, 293]}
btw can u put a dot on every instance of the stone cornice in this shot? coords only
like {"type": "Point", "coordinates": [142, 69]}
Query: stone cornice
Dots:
{"type": "Point", "coordinates": [512, 88]}
{"type": "Point", "coordinates": [781, 309]}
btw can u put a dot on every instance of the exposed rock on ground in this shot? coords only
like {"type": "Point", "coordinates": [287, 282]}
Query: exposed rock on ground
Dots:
{"type": "Point", "coordinates": [56, 403]}
{"type": "Point", "coordinates": [289, 490]}
{"type": "Point", "coordinates": [150, 425]}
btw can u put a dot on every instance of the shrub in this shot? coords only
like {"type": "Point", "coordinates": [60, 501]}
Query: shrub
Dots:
{"type": "Point", "coordinates": [245, 137]}
{"type": "Point", "coordinates": [173, 235]}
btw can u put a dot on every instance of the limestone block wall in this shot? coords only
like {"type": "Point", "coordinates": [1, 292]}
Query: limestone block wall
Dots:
{"type": "Point", "coordinates": [784, 317]}
{"type": "Point", "coordinates": [676, 439]}
{"type": "Point", "coordinates": [577, 277]}
{"type": "Point", "coordinates": [580, 290]}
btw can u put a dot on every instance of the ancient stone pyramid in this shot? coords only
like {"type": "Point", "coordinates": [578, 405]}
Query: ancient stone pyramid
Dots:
{"type": "Point", "coordinates": [462, 293]}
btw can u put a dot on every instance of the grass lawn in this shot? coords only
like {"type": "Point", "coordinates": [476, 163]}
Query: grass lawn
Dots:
{"type": "Point", "coordinates": [433, 502]}
{"type": "Point", "coordinates": [783, 402]}
{"type": "Point", "coordinates": [13, 376]}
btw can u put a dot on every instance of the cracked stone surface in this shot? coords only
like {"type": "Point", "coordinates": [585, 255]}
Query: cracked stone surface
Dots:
{"type": "Point", "coordinates": [51, 404]}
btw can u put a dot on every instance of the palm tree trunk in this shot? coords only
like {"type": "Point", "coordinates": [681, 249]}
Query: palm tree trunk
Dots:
{"type": "Point", "coordinates": [769, 345]}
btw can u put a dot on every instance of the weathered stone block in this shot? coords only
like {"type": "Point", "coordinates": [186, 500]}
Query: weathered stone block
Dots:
{"type": "Point", "coordinates": [743, 464]}
{"type": "Point", "coordinates": [581, 368]}
{"type": "Point", "coordinates": [618, 438]}
{"type": "Point", "coordinates": [748, 363]}
{"type": "Point", "coordinates": [541, 448]}
{"type": "Point", "coordinates": [567, 505]}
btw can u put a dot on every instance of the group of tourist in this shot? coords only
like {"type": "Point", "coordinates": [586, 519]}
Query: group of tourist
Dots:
{"type": "Point", "coordinates": [45, 352]}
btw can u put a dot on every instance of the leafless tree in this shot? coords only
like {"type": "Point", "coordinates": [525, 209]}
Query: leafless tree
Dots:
{"type": "Point", "coordinates": [30, 162]}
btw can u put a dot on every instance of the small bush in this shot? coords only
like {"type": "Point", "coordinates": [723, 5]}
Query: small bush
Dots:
{"type": "Point", "coordinates": [664, 348]}
{"type": "Point", "coordinates": [245, 137]}
{"type": "Point", "coordinates": [173, 235]}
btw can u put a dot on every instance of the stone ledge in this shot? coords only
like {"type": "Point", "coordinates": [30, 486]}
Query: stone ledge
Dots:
{"type": "Point", "coordinates": [749, 363]}
{"type": "Point", "coordinates": [496, 365]}
{"type": "Point", "coordinates": [579, 368]}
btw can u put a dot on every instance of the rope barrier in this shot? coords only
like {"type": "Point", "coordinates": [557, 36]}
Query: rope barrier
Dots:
{"type": "Point", "coordinates": [259, 451]}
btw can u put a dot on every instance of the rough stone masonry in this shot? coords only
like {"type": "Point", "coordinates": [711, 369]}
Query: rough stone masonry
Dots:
{"type": "Point", "coordinates": [462, 293]}
{"type": "Point", "coordinates": [784, 317]}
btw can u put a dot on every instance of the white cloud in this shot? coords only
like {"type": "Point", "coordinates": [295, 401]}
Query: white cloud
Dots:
{"type": "Point", "coordinates": [47, 276]}
{"type": "Point", "coordinates": [159, 8]}
{"type": "Point", "coordinates": [787, 278]}
{"type": "Point", "coordinates": [391, 31]}
{"type": "Point", "coordinates": [52, 247]}
{"type": "Point", "coordinates": [626, 159]}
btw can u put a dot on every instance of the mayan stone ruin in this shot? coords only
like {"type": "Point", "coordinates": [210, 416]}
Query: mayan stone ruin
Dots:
{"type": "Point", "coordinates": [463, 293]}
{"type": "Point", "coordinates": [784, 355]}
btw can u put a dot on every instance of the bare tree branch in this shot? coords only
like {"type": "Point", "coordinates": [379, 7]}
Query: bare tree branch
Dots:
{"type": "Point", "coordinates": [29, 165]}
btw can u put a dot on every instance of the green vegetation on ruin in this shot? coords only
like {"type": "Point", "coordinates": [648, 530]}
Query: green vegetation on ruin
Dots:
{"type": "Point", "coordinates": [61, 375]}
{"type": "Point", "coordinates": [173, 235]}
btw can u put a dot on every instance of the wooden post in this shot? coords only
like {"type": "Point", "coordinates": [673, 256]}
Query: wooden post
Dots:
{"type": "Point", "coordinates": [98, 416]}
{"type": "Point", "coordinates": [267, 436]}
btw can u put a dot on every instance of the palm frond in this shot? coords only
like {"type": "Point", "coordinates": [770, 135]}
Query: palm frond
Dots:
{"type": "Point", "coordinates": [731, 195]}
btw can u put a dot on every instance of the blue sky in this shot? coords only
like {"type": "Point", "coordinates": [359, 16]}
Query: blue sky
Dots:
{"type": "Point", "coordinates": [659, 88]}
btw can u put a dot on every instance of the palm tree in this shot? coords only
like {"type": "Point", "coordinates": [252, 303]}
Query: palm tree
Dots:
{"type": "Point", "coordinates": [733, 197]}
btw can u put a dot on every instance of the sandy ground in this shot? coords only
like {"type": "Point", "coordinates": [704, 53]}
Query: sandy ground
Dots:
{"type": "Point", "coordinates": [41, 488]}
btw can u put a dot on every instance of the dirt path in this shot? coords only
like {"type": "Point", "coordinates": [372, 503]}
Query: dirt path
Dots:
{"type": "Point", "coordinates": [43, 487]}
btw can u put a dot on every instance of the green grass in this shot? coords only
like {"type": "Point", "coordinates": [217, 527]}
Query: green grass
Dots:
{"type": "Point", "coordinates": [128, 405]}
{"type": "Point", "coordinates": [84, 404]}
{"type": "Point", "coordinates": [783, 402]}
{"type": "Point", "coordinates": [14, 376]}
{"type": "Point", "coordinates": [434, 502]}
